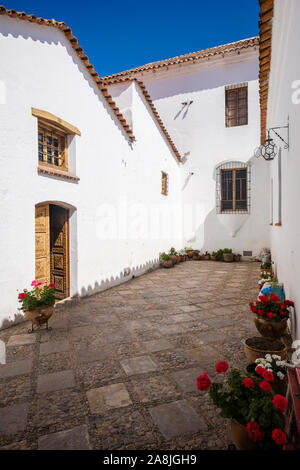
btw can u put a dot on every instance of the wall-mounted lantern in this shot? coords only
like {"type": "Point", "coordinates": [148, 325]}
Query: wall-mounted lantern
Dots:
{"type": "Point", "coordinates": [269, 150]}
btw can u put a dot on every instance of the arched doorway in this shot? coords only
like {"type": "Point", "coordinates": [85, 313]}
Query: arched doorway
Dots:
{"type": "Point", "coordinates": [52, 257]}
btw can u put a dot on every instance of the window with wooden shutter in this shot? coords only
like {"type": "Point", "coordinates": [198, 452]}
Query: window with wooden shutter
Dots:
{"type": "Point", "coordinates": [52, 146]}
{"type": "Point", "coordinates": [236, 106]}
{"type": "Point", "coordinates": [164, 183]}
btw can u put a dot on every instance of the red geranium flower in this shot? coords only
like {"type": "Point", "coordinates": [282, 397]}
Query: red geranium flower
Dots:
{"type": "Point", "coordinates": [33, 283]}
{"type": "Point", "coordinates": [248, 382]}
{"type": "Point", "coordinates": [274, 298]}
{"type": "Point", "coordinates": [282, 306]}
{"type": "Point", "coordinates": [263, 299]}
{"type": "Point", "coordinates": [279, 437]}
{"type": "Point", "coordinates": [260, 313]}
{"type": "Point", "coordinates": [22, 296]}
{"type": "Point", "coordinates": [282, 313]}
{"type": "Point", "coordinates": [265, 386]}
{"type": "Point", "coordinates": [203, 382]}
{"type": "Point", "coordinates": [255, 433]}
{"type": "Point", "coordinates": [271, 315]}
{"type": "Point", "coordinates": [51, 284]}
{"type": "Point", "coordinates": [222, 366]}
{"type": "Point", "coordinates": [280, 403]}
{"type": "Point", "coordinates": [259, 370]}
{"type": "Point", "coordinates": [268, 376]}
{"type": "Point", "coordinates": [289, 303]}
{"type": "Point", "coordinates": [254, 310]}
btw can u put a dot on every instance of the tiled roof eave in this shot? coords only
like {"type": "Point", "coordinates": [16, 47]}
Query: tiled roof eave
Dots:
{"type": "Point", "coordinates": [80, 53]}
{"type": "Point", "coordinates": [265, 50]}
{"type": "Point", "coordinates": [219, 51]}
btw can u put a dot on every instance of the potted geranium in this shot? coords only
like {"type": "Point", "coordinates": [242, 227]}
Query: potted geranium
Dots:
{"type": "Point", "coordinates": [270, 315]}
{"type": "Point", "coordinates": [196, 255]}
{"type": "Point", "coordinates": [38, 304]}
{"type": "Point", "coordinates": [174, 256]}
{"type": "Point", "coordinates": [189, 251]}
{"type": "Point", "coordinates": [227, 255]}
{"type": "Point", "coordinates": [273, 367]}
{"type": "Point", "coordinates": [166, 260]}
{"type": "Point", "coordinates": [256, 415]}
{"type": "Point", "coordinates": [213, 256]}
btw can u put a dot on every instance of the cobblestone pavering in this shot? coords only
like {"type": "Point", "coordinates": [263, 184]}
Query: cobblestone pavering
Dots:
{"type": "Point", "coordinates": [119, 369]}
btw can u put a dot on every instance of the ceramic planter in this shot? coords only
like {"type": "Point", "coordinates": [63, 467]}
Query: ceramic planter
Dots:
{"type": "Point", "coordinates": [228, 257]}
{"type": "Point", "coordinates": [206, 257]}
{"type": "Point", "coordinates": [240, 437]}
{"type": "Point", "coordinates": [196, 256]}
{"type": "Point", "coordinates": [270, 328]}
{"type": "Point", "coordinates": [174, 259]}
{"type": "Point", "coordinates": [213, 258]}
{"type": "Point", "coordinates": [167, 264]}
{"type": "Point", "coordinates": [253, 353]}
{"type": "Point", "coordinates": [237, 258]}
{"type": "Point", "coordinates": [39, 316]}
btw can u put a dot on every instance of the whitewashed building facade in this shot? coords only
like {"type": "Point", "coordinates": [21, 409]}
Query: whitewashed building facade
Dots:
{"type": "Point", "coordinates": [98, 175]}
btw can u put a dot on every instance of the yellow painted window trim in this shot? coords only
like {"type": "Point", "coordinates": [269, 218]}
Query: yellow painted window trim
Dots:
{"type": "Point", "coordinates": [63, 125]}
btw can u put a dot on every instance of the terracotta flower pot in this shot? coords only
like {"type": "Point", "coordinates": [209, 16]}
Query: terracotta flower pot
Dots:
{"type": "Point", "coordinates": [167, 264]}
{"type": "Point", "coordinates": [240, 437]}
{"type": "Point", "coordinates": [196, 257]}
{"type": "Point", "coordinates": [270, 328]}
{"type": "Point", "coordinates": [206, 257]}
{"type": "Point", "coordinates": [237, 258]}
{"type": "Point", "coordinates": [179, 259]}
{"type": "Point", "coordinates": [252, 353]}
{"type": "Point", "coordinates": [174, 259]}
{"type": "Point", "coordinates": [213, 258]}
{"type": "Point", "coordinates": [228, 257]}
{"type": "Point", "coordinates": [190, 253]}
{"type": "Point", "coordinates": [40, 315]}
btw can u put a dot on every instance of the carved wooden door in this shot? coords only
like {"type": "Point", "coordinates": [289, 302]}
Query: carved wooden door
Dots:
{"type": "Point", "coordinates": [42, 243]}
{"type": "Point", "coordinates": [59, 250]}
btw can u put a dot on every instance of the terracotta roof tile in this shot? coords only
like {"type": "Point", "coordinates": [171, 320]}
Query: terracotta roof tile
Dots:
{"type": "Point", "coordinates": [265, 43]}
{"type": "Point", "coordinates": [186, 58]}
{"type": "Point", "coordinates": [84, 58]}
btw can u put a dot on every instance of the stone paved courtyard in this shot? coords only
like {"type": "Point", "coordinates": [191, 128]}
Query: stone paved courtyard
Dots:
{"type": "Point", "coordinates": [119, 369]}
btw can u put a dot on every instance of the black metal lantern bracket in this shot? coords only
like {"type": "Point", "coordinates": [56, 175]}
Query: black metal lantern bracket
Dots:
{"type": "Point", "coordinates": [269, 150]}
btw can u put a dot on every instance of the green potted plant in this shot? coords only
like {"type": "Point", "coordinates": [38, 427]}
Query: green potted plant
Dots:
{"type": "Point", "coordinates": [196, 255]}
{"type": "Point", "coordinates": [182, 255]}
{"type": "Point", "coordinates": [266, 268]}
{"type": "Point", "coordinates": [213, 256]}
{"type": "Point", "coordinates": [257, 420]}
{"type": "Point", "coordinates": [174, 256]}
{"type": "Point", "coordinates": [270, 315]}
{"type": "Point", "coordinates": [219, 255]}
{"type": "Point", "coordinates": [206, 256]}
{"type": "Point", "coordinates": [227, 255]}
{"type": "Point", "coordinates": [166, 260]}
{"type": "Point", "coordinates": [38, 304]}
{"type": "Point", "coordinates": [189, 251]}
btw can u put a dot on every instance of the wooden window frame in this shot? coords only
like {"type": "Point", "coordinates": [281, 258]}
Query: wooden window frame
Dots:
{"type": "Point", "coordinates": [235, 90]}
{"type": "Point", "coordinates": [51, 130]}
{"type": "Point", "coordinates": [164, 183]}
{"type": "Point", "coordinates": [234, 209]}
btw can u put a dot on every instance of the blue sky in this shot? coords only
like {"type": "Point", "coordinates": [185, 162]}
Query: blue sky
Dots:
{"type": "Point", "coordinates": [119, 35]}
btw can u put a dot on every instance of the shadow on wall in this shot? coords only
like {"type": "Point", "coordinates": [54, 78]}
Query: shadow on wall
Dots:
{"type": "Point", "coordinates": [99, 286]}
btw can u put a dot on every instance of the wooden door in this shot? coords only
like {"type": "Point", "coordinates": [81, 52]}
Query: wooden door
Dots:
{"type": "Point", "coordinates": [42, 243]}
{"type": "Point", "coordinates": [59, 250]}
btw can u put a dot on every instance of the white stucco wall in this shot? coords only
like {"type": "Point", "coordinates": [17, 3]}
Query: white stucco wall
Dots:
{"type": "Point", "coordinates": [200, 131]}
{"type": "Point", "coordinates": [284, 104]}
{"type": "Point", "coordinates": [40, 69]}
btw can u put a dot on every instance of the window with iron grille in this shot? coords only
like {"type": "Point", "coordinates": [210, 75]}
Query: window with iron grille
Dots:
{"type": "Point", "coordinates": [236, 105]}
{"type": "Point", "coordinates": [164, 183]}
{"type": "Point", "coordinates": [233, 188]}
{"type": "Point", "coordinates": [52, 146]}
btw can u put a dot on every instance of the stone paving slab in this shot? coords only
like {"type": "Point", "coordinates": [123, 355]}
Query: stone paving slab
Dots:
{"type": "Point", "coordinates": [104, 398]}
{"type": "Point", "coordinates": [15, 368]}
{"type": "Point", "coordinates": [177, 419]}
{"type": "Point", "coordinates": [138, 365]}
{"type": "Point", "coordinates": [57, 381]}
{"type": "Point", "coordinates": [72, 439]}
{"type": "Point", "coordinates": [51, 347]}
{"type": "Point", "coordinates": [13, 419]}
{"type": "Point", "coordinates": [21, 340]}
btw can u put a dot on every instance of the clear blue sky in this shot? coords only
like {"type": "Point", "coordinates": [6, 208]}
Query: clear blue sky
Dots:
{"type": "Point", "coordinates": [121, 34]}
